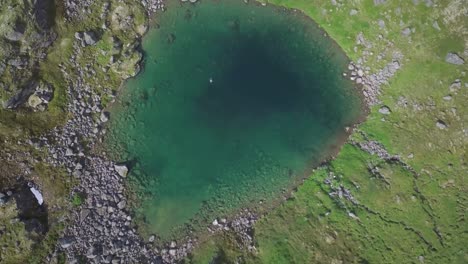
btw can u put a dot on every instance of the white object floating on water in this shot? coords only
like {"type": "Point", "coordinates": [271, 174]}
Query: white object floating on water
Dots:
{"type": "Point", "coordinates": [38, 195]}
{"type": "Point", "coordinates": [211, 80]}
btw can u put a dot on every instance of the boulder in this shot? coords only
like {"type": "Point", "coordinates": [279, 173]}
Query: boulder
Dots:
{"type": "Point", "coordinates": [122, 170]}
{"type": "Point", "coordinates": [66, 242]}
{"type": "Point", "coordinates": [121, 205]}
{"type": "Point", "coordinates": [104, 117]}
{"type": "Point", "coordinates": [454, 58]}
{"type": "Point", "coordinates": [34, 101]}
{"type": "Point", "coordinates": [441, 124]}
{"type": "Point", "coordinates": [385, 110]}
{"type": "Point", "coordinates": [90, 38]}
{"type": "Point", "coordinates": [406, 32]}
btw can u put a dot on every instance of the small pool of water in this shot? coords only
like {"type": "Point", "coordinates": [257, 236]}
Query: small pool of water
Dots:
{"type": "Point", "coordinates": [235, 103]}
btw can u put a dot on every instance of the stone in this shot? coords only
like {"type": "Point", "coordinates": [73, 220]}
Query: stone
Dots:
{"type": "Point", "coordinates": [34, 101]}
{"type": "Point", "coordinates": [66, 242]}
{"type": "Point", "coordinates": [215, 222]}
{"type": "Point", "coordinates": [69, 152]}
{"type": "Point", "coordinates": [104, 117]}
{"type": "Point", "coordinates": [447, 97]}
{"type": "Point", "coordinates": [122, 170]}
{"type": "Point", "coordinates": [441, 124]}
{"type": "Point", "coordinates": [436, 25]}
{"type": "Point", "coordinates": [379, 2]}
{"type": "Point", "coordinates": [381, 23]}
{"type": "Point", "coordinates": [37, 195]}
{"type": "Point", "coordinates": [406, 32]}
{"type": "Point", "coordinates": [14, 35]}
{"type": "Point", "coordinates": [121, 205]}
{"type": "Point", "coordinates": [83, 214]}
{"type": "Point", "coordinates": [455, 86]}
{"type": "Point", "coordinates": [353, 12]}
{"type": "Point", "coordinates": [90, 38]}
{"type": "Point", "coordinates": [78, 35]}
{"type": "Point", "coordinates": [360, 73]}
{"type": "Point", "coordinates": [454, 58]}
{"type": "Point", "coordinates": [151, 239]}
{"type": "Point", "coordinates": [385, 110]}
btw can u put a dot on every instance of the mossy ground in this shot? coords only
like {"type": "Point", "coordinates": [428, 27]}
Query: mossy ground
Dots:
{"type": "Point", "coordinates": [404, 217]}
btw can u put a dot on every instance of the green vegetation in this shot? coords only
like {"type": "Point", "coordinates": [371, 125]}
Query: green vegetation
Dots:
{"type": "Point", "coordinates": [402, 216]}
{"type": "Point", "coordinates": [77, 199]}
{"type": "Point", "coordinates": [19, 245]}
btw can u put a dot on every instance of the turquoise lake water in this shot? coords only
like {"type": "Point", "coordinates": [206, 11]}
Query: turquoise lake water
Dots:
{"type": "Point", "coordinates": [235, 103]}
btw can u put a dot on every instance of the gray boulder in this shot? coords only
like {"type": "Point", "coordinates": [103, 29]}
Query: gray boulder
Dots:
{"type": "Point", "coordinates": [441, 124]}
{"type": "Point", "coordinates": [406, 32]}
{"type": "Point", "coordinates": [90, 38]}
{"type": "Point", "coordinates": [66, 242]}
{"type": "Point", "coordinates": [454, 58]}
{"type": "Point", "coordinates": [122, 170]}
{"type": "Point", "coordinates": [384, 110]}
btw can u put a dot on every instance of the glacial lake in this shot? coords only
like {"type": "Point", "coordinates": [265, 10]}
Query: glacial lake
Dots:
{"type": "Point", "coordinates": [236, 102]}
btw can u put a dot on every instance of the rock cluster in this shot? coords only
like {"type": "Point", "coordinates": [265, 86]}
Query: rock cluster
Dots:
{"type": "Point", "coordinates": [153, 5]}
{"type": "Point", "coordinates": [371, 82]}
{"type": "Point", "coordinates": [375, 148]}
{"type": "Point", "coordinates": [242, 225]}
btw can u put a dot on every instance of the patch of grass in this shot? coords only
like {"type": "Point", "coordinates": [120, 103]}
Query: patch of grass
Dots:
{"type": "Point", "coordinates": [77, 199]}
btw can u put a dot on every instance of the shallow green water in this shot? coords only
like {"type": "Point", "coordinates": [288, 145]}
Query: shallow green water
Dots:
{"type": "Point", "coordinates": [236, 101]}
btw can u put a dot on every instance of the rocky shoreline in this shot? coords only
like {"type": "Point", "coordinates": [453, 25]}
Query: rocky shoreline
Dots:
{"type": "Point", "coordinates": [101, 229]}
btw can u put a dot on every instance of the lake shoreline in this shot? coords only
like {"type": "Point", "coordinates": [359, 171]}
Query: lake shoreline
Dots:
{"type": "Point", "coordinates": [329, 154]}
{"type": "Point", "coordinates": [169, 253]}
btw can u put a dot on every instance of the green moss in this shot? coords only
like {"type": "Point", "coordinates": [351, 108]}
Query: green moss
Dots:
{"type": "Point", "coordinates": [77, 199]}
